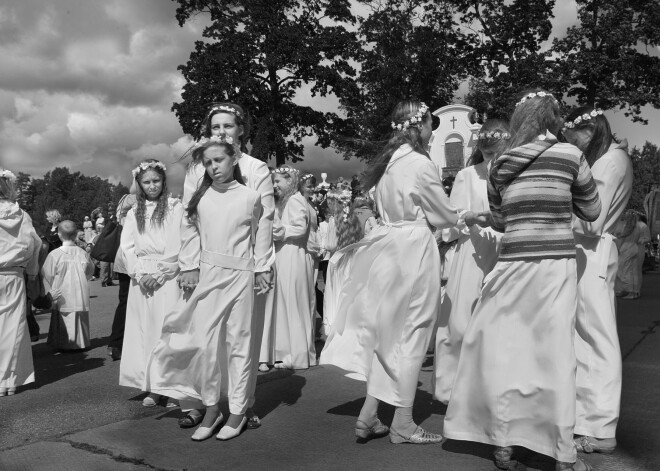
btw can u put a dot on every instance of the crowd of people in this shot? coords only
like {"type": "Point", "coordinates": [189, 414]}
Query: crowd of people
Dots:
{"type": "Point", "coordinates": [510, 280]}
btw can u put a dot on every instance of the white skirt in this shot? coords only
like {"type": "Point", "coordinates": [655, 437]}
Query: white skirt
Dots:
{"type": "Point", "coordinates": [16, 367]}
{"type": "Point", "coordinates": [69, 330]}
{"type": "Point", "coordinates": [515, 383]}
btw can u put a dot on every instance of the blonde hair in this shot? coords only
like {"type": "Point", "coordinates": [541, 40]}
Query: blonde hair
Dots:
{"type": "Point", "coordinates": [53, 216]}
{"type": "Point", "coordinates": [292, 175]}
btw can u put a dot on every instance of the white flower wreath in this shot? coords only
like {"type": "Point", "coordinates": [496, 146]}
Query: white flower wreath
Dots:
{"type": "Point", "coordinates": [581, 118]}
{"type": "Point", "coordinates": [147, 165]}
{"type": "Point", "coordinates": [533, 95]}
{"type": "Point", "coordinates": [416, 119]}
{"type": "Point", "coordinates": [493, 135]}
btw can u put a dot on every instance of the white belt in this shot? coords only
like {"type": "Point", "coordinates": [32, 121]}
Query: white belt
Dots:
{"type": "Point", "coordinates": [227, 261]}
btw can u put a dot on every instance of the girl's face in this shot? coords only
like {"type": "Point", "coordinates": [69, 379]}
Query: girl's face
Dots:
{"type": "Point", "coordinates": [225, 123]}
{"type": "Point", "coordinates": [307, 190]}
{"type": "Point", "coordinates": [152, 185]}
{"type": "Point", "coordinates": [219, 164]}
{"type": "Point", "coordinates": [281, 184]}
{"type": "Point", "coordinates": [580, 138]}
{"type": "Point", "coordinates": [488, 154]}
{"type": "Point", "coordinates": [427, 129]}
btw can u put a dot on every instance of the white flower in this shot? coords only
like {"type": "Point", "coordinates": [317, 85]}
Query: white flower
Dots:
{"type": "Point", "coordinates": [585, 116]}
{"type": "Point", "coordinates": [496, 135]}
{"type": "Point", "coordinates": [399, 127]}
{"type": "Point", "coordinates": [541, 94]}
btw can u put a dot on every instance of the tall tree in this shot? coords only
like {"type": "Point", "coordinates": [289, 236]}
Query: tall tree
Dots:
{"type": "Point", "coordinates": [409, 49]}
{"type": "Point", "coordinates": [506, 38]}
{"type": "Point", "coordinates": [646, 173]}
{"type": "Point", "coordinates": [608, 59]}
{"type": "Point", "coordinates": [260, 53]}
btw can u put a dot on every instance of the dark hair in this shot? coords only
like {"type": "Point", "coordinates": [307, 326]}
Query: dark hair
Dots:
{"type": "Point", "coordinates": [533, 117]}
{"type": "Point", "coordinates": [602, 134]}
{"type": "Point", "coordinates": [242, 119]}
{"type": "Point", "coordinates": [411, 135]}
{"type": "Point", "coordinates": [207, 181]}
{"type": "Point", "coordinates": [160, 212]}
{"type": "Point", "coordinates": [498, 145]}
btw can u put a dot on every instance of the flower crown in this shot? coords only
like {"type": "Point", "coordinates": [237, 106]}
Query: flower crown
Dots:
{"type": "Point", "coordinates": [8, 174]}
{"type": "Point", "coordinates": [229, 109]}
{"type": "Point", "coordinates": [493, 135]}
{"type": "Point", "coordinates": [345, 198]}
{"type": "Point", "coordinates": [220, 139]}
{"type": "Point", "coordinates": [580, 119]}
{"type": "Point", "coordinates": [417, 118]}
{"type": "Point", "coordinates": [306, 177]}
{"type": "Point", "coordinates": [533, 95]}
{"type": "Point", "coordinates": [285, 170]}
{"type": "Point", "coordinates": [147, 165]}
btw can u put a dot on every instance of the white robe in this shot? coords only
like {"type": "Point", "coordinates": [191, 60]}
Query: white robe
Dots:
{"type": "Point", "coordinates": [67, 269]}
{"type": "Point", "coordinates": [473, 258]}
{"type": "Point", "coordinates": [256, 176]}
{"type": "Point", "coordinates": [387, 306]}
{"type": "Point", "coordinates": [19, 252]}
{"type": "Point", "coordinates": [293, 316]}
{"type": "Point", "coordinates": [598, 381]}
{"type": "Point", "coordinates": [204, 352]}
{"type": "Point", "coordinates": [151, 252]}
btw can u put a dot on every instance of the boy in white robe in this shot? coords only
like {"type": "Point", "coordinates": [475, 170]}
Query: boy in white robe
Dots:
{"type": "Point", "coordinates": [65, 273]}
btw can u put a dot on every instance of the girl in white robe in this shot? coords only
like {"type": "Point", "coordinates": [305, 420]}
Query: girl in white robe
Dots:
{"type": "Point", "coordinates": [230, 120]}
{"type": "Point", "coordinates": [65, 273]}
{"type": "Point", "coordinates": [19, 255]}
{"type": "Point", "coordinates": [150, 243]}
{"type": "Point", "coordinates": [293, 317]}
{"type": "Point", "coordinates": [473, 257]}
{"type": "Point", "coordinates": [598, 381]}
{"type": "Point", "coordinates": [388, 304]}
{"type": "Point", "coordinates": [205, 351]}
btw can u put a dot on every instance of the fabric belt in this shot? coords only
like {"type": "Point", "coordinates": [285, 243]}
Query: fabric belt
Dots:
{"type": "Point", "coordinates": [400, 224]}
{"type": "Point", "coordinates": [227, 261]}
{"type": "Point", "coordinates": [12, 271]}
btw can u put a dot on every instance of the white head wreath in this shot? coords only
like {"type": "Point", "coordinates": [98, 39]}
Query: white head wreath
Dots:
{"type": "Point", "coordinates": [416, 119]}
{"type": "Point", "coordinates": [147, 165]}
{"type": "Point", "coordinates": [580, 119]}
{"type": "Point", "coordinates": [533, 95]}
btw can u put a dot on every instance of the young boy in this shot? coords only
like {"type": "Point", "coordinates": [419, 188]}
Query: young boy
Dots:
{"type": "Point", "coordinates": [65, 273]}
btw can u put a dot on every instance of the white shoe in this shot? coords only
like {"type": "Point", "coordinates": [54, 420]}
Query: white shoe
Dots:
{"type": "Point", "coordinates": [202, 433]}
{"type": "Point", "coordinates": [227, 432]}
{"type": "Point", "coordinates": [263, 367]}
{"type": "Point", "coordinates": [151, 400]}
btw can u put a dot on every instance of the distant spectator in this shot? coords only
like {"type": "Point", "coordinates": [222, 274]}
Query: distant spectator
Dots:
{"type": "Point", "coordinates": [54, 217]}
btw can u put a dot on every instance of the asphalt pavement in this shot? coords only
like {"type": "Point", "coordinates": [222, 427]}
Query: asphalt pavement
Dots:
{"type": "Point", "coordinates": [76, 416]}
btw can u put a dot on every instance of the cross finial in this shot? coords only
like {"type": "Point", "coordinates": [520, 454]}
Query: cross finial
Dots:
{"type": "Point", "coordinates": [453, 122]}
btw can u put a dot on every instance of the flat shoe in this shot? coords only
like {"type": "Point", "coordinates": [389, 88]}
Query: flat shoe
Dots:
{"type": "Point", "coordinates": [11, 391]}
{"type": "Point", "coordinates": [202, 433]}
{"type": "Point", "coordinates": [579, 465]}
{"type": "Point", "coordinates": [149, 401]}
{"type": "Point", "coordinates": [263, 367]}
{"type": "Point", "coordinates": [377, 430]}
{"type": "Point", "coordinates": [227, 432]}
{"type": "Point", "coordinates": [419, 437]}
{"type": "Point", "coordinates": [253, 422]}
{"type": "Point", "coordinates": [595, 445]}
{"type": "Point", "coordinates": [280, 366]}
{"type": "Point", "coordinates": [3, 392]}
{"type": "Point", "coordinates": [190, 421]}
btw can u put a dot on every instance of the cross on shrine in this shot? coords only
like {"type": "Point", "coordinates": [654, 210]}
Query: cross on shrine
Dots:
{"type": "Point", "coordinates": [453, 122]}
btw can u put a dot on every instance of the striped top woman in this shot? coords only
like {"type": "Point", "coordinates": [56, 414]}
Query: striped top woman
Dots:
{"type": "Point", "coordinates": [515, 383]}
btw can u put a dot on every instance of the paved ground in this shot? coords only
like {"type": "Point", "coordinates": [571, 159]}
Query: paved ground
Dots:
{"type": "Point", "coordinates": [78, 418]}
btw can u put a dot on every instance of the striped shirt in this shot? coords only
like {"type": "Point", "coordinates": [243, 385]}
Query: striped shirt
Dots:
{"type": "Point", "coordinates": [533, 190]}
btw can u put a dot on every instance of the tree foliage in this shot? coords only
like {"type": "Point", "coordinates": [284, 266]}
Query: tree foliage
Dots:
{"type": "Point", "coordinates": [646, 173]}
{"type": "Point", "coordinates": [408, 49]}
{"type": "Point", "coordinates": [74, 195]}
{"type": "Point", "coordinates": [260, 53]}
{"type": "Point", "coordinates": [606, 60]}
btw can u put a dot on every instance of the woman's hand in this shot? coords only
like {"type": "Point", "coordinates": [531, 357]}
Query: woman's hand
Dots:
{"type": "Point", "coordinates": [263, 282]}
{"type": "Point", "coordinates": [189, 280]}
{"type": "Point", "coordinates": [148, 282]}
{"type": "Point", "coordinates": [481, 219]}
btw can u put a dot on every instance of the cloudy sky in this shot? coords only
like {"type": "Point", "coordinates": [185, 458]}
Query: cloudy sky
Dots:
{"type": "Point", "coordinates": [89, 84]}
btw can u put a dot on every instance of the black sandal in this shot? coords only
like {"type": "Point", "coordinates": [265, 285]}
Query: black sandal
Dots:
{"type": "Point", "coordinates": [190, 421]}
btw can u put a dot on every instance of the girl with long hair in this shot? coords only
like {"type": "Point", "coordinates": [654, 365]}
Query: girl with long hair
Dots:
{"type": "Point", "coordinates": [292, 327]}
{"type": "Point", "coordinates": [387, 307]}
{"type": "Point", "coordinates": [205, 350]}
{"type": "Point", "coordinates": [150, 243]}
{"type": "Point", "coordinates": [232, 120]}
{"type": "Point", "coordinates": [474, 255]}
{"type": "Point", "coordinates": [597, 348]}
{"type": "Point", "coordinates": [515, 382]}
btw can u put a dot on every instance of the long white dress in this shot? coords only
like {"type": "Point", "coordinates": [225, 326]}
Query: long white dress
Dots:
{"type": "Point", "coordinates": [474, 257]}
{"type": "Point", "coordinates": [67, 269]}
{"type": "Point", "coordinates": [204, 352]}
{"type": "Point", "coordinates": [151, 252]}
{"type": "Point", "coordinates": [256, 176]}
{"type": "Point", "coordinates": [598, 381]}
{"type": "Point", "coordinates": [19, 252]}
{"type": "Point", "coordinates": [293, 316]}
{"type": "Point", "coordinates": [387, 306]}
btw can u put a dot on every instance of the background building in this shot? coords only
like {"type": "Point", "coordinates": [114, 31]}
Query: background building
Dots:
{"type": "Point", "coordinates": [454, 139]}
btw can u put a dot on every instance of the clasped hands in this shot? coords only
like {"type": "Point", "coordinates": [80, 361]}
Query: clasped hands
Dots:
{"type": "Point", "coordinates": [482, 219]}
{"type": "Point", "coordinates": [188, 281]}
